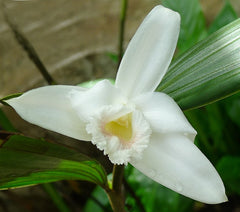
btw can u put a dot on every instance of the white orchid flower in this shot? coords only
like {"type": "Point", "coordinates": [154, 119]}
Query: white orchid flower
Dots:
{"type": "Point", "coordinates": [129, 121]}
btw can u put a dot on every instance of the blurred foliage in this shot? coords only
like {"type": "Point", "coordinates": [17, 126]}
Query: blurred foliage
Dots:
{"type": "Point", "coordinates": [153, 196]}
{"type": "Point", "coordinates": [5, 124]}
{"type": "Point", "coordinates": [229, 169]}
{"type": "Point", "coordinates": [227, 15]}
{"type": "Point", "coordinates": [98, 202]}
{"type": "Point", "coordinates": [193, 27]}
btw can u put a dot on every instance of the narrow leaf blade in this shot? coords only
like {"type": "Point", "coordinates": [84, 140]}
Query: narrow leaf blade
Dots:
{"type": "Point", "coordinates": [207, 72]}
{"type": "Point", "coordinates": [28, 161]}
{"type": "Point", "coordinates": [2, 100]}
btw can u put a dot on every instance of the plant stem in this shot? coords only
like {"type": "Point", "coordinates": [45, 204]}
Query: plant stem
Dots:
{"type": "Point", "coordinates": [132, 193]}
{"type": "Point", "coordinates": [121, 31]}
{"type": "Point", "coordinates": [118, 172]}
{"type": "Point", "coordinates": [29, 49]}
{"type": "Point", "coordinates": [56, 198]}
{"type": "Point", "coordinates": [116, 194]}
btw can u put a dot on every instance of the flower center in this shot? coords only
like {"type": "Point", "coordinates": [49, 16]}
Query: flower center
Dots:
{"type": "Point", "coordinates": [120, 131]}
{"type": "Point", "coordinates": [121, 127]}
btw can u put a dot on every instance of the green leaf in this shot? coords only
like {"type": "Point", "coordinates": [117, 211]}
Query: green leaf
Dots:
{"type": "Point", "coordinates": [154, 197]}
{"type": "Point", "coordinates": [56, 197]}
{"type": "Point", "coordinates": [193, 28]}
{"type": "Point", "coordinates": [232, 106]}
{"type": "Point", "coordinates": [5, 124]}
{"type": "Point", "coordinates": [113, 56]}
{"type": "Point", "coordinates": [229, 170]}
{"type": "Point", "coordinates": [226, 16]}
{"type": "Point", "coordinates": [207, 72]}
{"type": "Point", "coordinates": [215, 135]}
{"type": "Point", "coordinates": [28, 161]}
{"type": "Point", "coordinates": [98, 201]}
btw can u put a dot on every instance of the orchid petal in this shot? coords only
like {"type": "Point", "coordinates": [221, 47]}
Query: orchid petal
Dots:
{"type": "Point", "coordinates": [49, 107]}
{"type": "Point", "coordinates": [90, 101]}
{"type": "Point", "coordinates": [149, 53]}
{"type": "Point", "coordinates": [175, 162]}
{"type": "Point", "coordinates": [163, 114]}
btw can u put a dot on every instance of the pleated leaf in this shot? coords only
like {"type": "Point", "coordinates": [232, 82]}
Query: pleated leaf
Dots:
{"type": "Point", "coordinates": [26, 161]}
{"type": "Point", "coordinates": [207, 72]}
